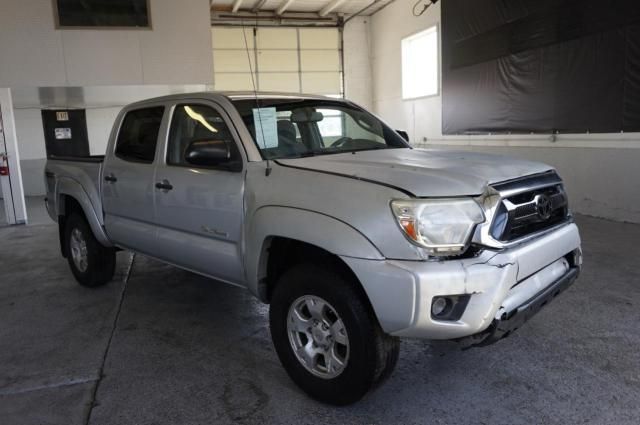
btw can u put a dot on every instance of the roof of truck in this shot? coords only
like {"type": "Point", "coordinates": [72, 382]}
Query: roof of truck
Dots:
{"type": "Point", "coordinates": [232, 95]}
{"type": "Point", "coordinates": [270, 95]}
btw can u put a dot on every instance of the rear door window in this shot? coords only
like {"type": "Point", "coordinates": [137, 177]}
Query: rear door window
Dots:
{"type": "Point", "coordinates": [138, 135]}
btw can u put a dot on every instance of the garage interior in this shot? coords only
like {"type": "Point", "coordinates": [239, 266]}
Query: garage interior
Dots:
{"type": "Point", "coordinates": [162, 345]}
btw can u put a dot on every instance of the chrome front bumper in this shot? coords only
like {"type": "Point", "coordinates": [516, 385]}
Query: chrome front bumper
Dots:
{"type": "Point", "coordinates": [498, 282]}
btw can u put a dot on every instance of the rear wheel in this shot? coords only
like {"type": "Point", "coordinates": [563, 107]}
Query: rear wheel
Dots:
{"type": "Point", "coordinates": [92, 264]}
{"type": "Point", "coordinates": [327, 337]}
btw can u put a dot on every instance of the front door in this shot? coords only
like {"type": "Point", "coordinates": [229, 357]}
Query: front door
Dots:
{"type": "Point", "coordinates": [199, 210]}
{"type": "Point", "coordinates": [65, 132]}
{"type": "Point", "coordinates": [128, 185]}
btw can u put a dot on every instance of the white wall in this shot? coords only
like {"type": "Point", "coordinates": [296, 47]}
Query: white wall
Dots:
{"type": "Point", "coordinates": [109, 67]}
{"type": "Point", "coordinates": [33, 53]}
{"type": "Point", "coordinates": [388, 28]}
{"type": "Point", "coordinates": [600, 170]}
{"type": "Point", "coordinates": [30, 133]}
{"type": "Point", "coordinates": [99, 124]}
{"type": "Point", "coordinates": [357, 62]}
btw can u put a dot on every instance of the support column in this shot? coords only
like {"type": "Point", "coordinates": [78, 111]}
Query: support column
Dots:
{"type": "Point", "coordinates": [12, 188]}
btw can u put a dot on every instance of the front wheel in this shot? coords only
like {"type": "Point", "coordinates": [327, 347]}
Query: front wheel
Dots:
{"type": "Point", "coordinates": [91, 263]}
{"type": "Point", "coordinates": [327, 337]}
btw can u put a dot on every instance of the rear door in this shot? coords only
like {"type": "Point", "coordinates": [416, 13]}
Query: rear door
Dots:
{"type": "Point", "coordinates": [128, 186]}
{"type": "Point", "coordinates": [199, 210]}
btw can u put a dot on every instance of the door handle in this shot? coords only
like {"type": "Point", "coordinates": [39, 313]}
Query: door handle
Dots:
{"type": "Point", "coordinates": [164, 185]}
{"type": "Point", "coordinates": [110, 178]}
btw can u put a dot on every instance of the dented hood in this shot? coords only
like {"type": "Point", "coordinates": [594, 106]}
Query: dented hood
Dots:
{"type": "Point", "coordinates": [423, 172]}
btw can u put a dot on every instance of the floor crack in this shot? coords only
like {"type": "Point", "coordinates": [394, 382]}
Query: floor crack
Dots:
{"type": "Point", "coordinates": [65, 383]}
{"type": "Point", "coordinates": [114, 326]}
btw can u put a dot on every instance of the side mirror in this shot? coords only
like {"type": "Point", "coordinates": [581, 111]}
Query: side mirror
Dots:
{"type": "Point", "coordinates": [208, 153]}
{"type": "Point", "coordinates": [403, 134]}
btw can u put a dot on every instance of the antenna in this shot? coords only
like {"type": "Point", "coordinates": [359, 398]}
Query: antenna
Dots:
{"type": "Point", "coordinates": [255, 89]}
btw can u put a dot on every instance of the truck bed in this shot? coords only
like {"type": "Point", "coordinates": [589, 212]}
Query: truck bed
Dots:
{"type": "Point", "coordinates": [79, 173]}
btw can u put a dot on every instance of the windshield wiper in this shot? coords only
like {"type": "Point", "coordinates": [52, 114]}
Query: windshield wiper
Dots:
{"type": "Point", "coordinates": [299, 155]}
{"type": "Point", "coordinates": [373, 148]}
{"type": "Point", "coordinates": [332, 152]}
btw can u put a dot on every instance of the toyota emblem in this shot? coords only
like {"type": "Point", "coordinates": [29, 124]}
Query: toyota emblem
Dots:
{"type": "Point", "coordinates": [543, 206]}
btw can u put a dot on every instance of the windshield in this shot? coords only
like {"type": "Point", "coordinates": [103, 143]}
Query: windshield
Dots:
{"type": "Point", "coordinates": [293, 128]}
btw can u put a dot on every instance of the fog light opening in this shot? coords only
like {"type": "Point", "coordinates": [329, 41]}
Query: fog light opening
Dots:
{"type": "Point", "coordinates": [441, 306]}
{"type": "Point", "coordinates": [449, 307]}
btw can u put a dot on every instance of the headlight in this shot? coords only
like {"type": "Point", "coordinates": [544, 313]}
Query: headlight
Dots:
{"type": "Point", "coordinates": [442, 226]}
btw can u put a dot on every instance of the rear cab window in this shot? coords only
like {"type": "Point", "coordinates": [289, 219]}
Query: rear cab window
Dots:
{"type": "Point", "coordinates": [138, 135]}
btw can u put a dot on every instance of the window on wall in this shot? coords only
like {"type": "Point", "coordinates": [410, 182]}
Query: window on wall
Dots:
{"type": "Point", "coordinates": [420, 64]}
{"type": "Point", "coordinates": [102, 13]}
{"type": "Point", "coordinates": [296, 60]}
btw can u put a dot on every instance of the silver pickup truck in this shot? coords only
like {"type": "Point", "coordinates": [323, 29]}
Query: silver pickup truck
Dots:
{"type": "Point", "coordinates": [317, 207]}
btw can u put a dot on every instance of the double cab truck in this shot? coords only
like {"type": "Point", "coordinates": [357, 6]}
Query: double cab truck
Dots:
{"type": "Point", "coordinates": [352, 236]}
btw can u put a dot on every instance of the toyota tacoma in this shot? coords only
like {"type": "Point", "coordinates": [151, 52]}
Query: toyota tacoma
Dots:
{"type": "Point", "coordinates": [320, 209]}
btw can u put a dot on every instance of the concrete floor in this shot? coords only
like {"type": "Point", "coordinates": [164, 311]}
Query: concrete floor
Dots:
{"type": "Point", "coordinates": [184, 350]}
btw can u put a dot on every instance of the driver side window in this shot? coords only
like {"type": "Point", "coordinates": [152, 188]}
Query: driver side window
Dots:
{"type": "Point", "coordinates": [358, 130]}
{"type": "Point", "coordinates": [337, 126]}
{"type": "Point", "coordinates": [191, 123]}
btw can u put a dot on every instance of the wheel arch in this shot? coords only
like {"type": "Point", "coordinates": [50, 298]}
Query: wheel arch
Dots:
{"type": "Point", "coordinates": [280, 237]}
{"type": "Point", "coordinates": [72, 197]}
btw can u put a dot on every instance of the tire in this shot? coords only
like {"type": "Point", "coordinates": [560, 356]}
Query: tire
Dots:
{"type": "Point", "coordinates": [96, 264]}
{"type": "Point", "coordinates": [369, 355]}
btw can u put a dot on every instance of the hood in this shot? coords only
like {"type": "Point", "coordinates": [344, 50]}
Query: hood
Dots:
{"type": "Point", "coordinates": [423, 172]}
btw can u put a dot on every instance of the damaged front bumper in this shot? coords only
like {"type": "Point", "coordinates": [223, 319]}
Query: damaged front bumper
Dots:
{"type": "Point", "coordinates": [507, 322]}
{"type": "Point", "coordinates": [504, 288]}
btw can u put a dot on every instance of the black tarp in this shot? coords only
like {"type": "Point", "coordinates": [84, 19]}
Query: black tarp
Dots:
{"type": "Point", "coordinates": [521, 66]}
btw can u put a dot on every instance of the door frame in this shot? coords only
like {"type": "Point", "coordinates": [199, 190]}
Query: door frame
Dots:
{"type": "Point", "coordinates": [112, 160]}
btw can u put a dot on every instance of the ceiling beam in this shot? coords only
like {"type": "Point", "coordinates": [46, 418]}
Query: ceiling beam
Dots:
{"type": "Point", "coordinates": [366, 8]}
{"type": "Point", "coordinates": [236, 6]}
{"type": "Point", "coordinates": [269, 18]}
{"type": "Point", "coordinates": [330, 7]}
{"type": "Point", "coordinates": [258, 5]}
{"type": "Point", "coordinates": [283, 6]}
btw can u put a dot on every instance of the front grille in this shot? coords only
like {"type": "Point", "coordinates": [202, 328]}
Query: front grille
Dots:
{"type": "Point", "coordinates": [532, 209]}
